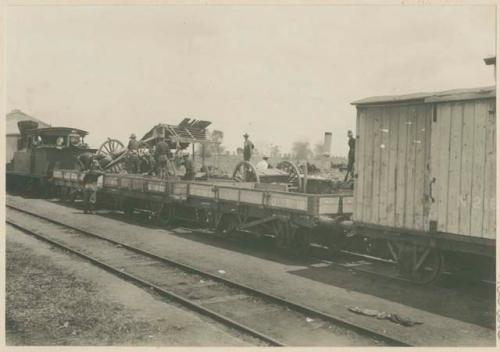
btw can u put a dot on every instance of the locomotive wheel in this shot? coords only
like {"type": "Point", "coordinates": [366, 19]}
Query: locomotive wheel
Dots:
{"type": "Point", "coordinates": [245, 172]}
{"type": "Point", "coordinates": [227, 225]}
{"type": "Point", "coordinates": [294, 181]}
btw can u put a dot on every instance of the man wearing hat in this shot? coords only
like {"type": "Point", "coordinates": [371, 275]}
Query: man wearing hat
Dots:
{"type": "Point", "coordinates": [134, 163]}
{"type": "Point", "coordinates": [247, 148]}
{"type": "Point", "coordinates": [90, 187]}
{"type": "Point", "coordinates": [263, 164]}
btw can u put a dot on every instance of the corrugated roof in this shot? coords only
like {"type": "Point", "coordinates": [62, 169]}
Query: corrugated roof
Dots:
{"type": "Point", "coordinates": [447, 95]}
{"type": "Point", "coordinates": [15, 116]}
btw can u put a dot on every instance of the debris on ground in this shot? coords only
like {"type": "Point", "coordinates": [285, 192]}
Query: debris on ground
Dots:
{"type": "Point", "coordinates": [395, 318]}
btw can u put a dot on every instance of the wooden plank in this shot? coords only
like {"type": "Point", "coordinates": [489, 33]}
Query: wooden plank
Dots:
{"type": "Point", "coordinates": [384, 167]}
{"type": "Point", "coordinates": [328, 205]}
{"type": "Point", "coordinates": [440, 187]}
{"type": "Point", "coordinates": [400, 166]}
{"type": "Point", "coordinates": [489, 220]}
{"type": "Point", "coordinates": [409, 208]}
{"type": "Point", "coordinates": [376, 165]}
{"type": "Point", "coordinates": [454, 174]}
{"type": "Point", "coordinates": [429, 166]}
{"type": "Point", "coordinates": [393, 158]}
{"type": "Point", "coordinates": [367, 164]}
{"type": "Point", "coordinates": [478, 169]}
{"type": "Point", "coordinates": [465, 201]}
{"type": "Point", "coordinates": [359, 167]}
{"type": "Point", "coordinates": [287, 201]}
{"type": "Point", "coordinates": [418, 189]}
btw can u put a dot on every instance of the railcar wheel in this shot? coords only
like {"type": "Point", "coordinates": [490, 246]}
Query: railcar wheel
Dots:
{"type": "Point", "coordinates": [420, 264]}
{"type": "Point", "coordinates": [227, 225]}
{"type": "Point", "coordinates": [301, 243]}
{"type": "Point", "coordinates": [281, 234]}
{"type": "Point", "coordinates": [128, 207]}
{"type": "Point", "coordinates": [245, 172]}
{"type": "Point", "coordinates": [294, 181]}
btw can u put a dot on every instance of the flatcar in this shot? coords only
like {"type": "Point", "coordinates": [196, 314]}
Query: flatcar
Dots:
{"type": "Point", "coordinates": [425, 177]}
{"type": "Point", "coordinates": [40, 151]}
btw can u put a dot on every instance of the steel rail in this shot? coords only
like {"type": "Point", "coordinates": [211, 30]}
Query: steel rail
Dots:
{"type": "Point", "coordinates": [394, 341]}
{"type": "Point", "coordinates": [146, 284]}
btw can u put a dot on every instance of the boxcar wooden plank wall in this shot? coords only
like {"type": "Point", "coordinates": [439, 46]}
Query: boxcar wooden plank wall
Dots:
{"type": "Point", "coordinates": [391, 165]}
{"type": "Point", "coordinates": [489, 227]}
{"type": "Point", "coordinates": [464, 166]}
{"type": "Point", "coordinates": [478, 163]}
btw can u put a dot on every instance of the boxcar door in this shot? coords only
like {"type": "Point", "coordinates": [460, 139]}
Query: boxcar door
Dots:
{"type": "Point", "coordinates": [463, 162]}
{"type": "Point", "coordinates": [392, 166]}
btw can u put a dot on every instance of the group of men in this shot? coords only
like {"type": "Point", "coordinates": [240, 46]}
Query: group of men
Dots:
{"type": "Point", "coordinates": [140, 159]}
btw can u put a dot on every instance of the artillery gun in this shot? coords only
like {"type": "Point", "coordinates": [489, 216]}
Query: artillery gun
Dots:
{"type": "Point", "coordinates": [113, 154]}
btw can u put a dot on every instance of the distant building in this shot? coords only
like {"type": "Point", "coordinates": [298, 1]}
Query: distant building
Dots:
{"type": "Point", "coordinates": [13, 133]}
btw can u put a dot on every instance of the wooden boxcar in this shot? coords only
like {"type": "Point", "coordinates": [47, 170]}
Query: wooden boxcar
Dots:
{"type": "Point", "coordinates": [425, 174]}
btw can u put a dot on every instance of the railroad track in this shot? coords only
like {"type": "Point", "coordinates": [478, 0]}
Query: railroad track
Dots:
{"type": "Point", "coordinates": [270, 319]}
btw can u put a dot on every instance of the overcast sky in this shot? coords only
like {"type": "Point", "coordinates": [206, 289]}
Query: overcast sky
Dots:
{"type": "Point", "coordinates": [280, 73]}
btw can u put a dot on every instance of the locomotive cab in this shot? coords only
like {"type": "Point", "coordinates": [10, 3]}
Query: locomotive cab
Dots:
{"type": "Point", "coordinates": [43, 149]}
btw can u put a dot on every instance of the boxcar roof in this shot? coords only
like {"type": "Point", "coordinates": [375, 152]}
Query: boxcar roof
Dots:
{"type": "Point", "coordinates": [447, 95]}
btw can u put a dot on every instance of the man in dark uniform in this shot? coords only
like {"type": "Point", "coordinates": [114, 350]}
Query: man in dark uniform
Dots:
{"type": "Point", "coordinates": [90, 187]}
{"type": "Point", "coordinates": [162, 156]}
{"type": "Point", "coordinates": [85, 160]}
{"type": "Point", "coordinates": [134, 163]}
{"type": "Point", "coordinates": [350, 157]}
{"type": "Point", "coordinates": [247, 148]}
{"type": "Point", "coordinates": [188, 165]}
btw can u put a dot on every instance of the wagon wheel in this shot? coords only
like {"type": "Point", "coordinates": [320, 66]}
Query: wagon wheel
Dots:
{"type": "Point", "coordinates": [111, 148]}
{"type": "Point", "coordinates": [420, 264]}
{"type": "Point", "coordinates": [245, 172]}
{"type": "Point", "coordinates": [294, 180]}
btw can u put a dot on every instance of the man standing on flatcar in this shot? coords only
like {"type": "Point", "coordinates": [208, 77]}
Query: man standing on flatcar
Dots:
{"type": "Point", "coordinates": [162, 155]}
{"type": "Point", "coordinates": [90, 187]}
{"type": "Point", "coordinates": [350, 158]}
{"type": "Point", "coordinates": [188, 165]}
{"type": "Point", "coordinates": [134, 162]}
{"type": "Point", "coordinates": [247, 148]}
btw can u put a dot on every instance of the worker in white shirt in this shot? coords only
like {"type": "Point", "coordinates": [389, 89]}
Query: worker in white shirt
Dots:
{"type": "Point", "coordinates": [263, 164]}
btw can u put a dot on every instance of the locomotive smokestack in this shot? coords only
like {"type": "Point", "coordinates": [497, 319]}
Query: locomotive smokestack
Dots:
{"type": "Point", "coordinates": [327, 144]}
{"type": "Point", "coordinates": [26, 125]}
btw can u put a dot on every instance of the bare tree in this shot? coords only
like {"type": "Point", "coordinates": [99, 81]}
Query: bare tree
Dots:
{"type": "Point", "coordinates": [301, 150]}
{"type": "Point", "coordinates": [318, 149]}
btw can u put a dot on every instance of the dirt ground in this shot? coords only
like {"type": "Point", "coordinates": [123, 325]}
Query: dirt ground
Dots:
{"type": "Point", "coordinates": [56, 299]}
